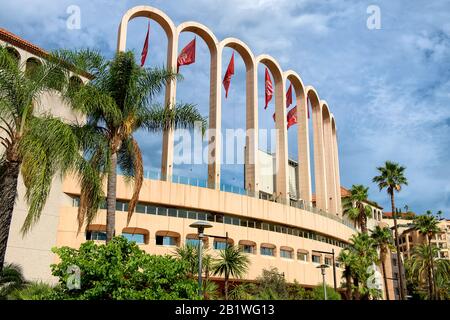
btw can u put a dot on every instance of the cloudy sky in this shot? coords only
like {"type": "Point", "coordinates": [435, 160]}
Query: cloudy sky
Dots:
{"type": "Point", "coordinates": [388, 88]}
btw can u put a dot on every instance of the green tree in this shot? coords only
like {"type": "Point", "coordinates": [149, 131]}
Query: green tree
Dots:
{"type": "Point", "coordinates": [355, 208]}
{"type": "Point", "coordinates": [121, 270]}
{"type": "Point", "coordinates": [419, 267]}
{"type": "Point", "coordinates": [392, 177]}
{"type": "Point", "coordinates": [11, 279]}
{"type": "Point", "coordinates": [428, 226]}
{"type": "Point", "coordinates": [231, 262]}
{"type": "Point", "coordinates": [119, 102]}
{"type": "Point", "coordinates": [384, 242]}
{"type": "Point", "coordinates": [346, 259]}
{"type": "Point", "coordinates": [318, 294]}
{"type": "Point", "coordinates": [35, 145]}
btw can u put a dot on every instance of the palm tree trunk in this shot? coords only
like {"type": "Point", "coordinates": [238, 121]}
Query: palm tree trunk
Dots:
{"type": "Point", "coordinates": [356, 294]}
{"type": "Point", "coordinates": [397, 245]}
{"type": "Point", "coordinates": [383, 266]}
{"type": "Point", "coordinates": [348, 284]}
{"type": "Point", "coordinates": [431, 283]}
{"type": "Point", "coordinates": [226, 286]}
{"type": "Point", "coordinates": [8, 187]}
{"type": "Point", "coordinates": [364, 225]}
{"type": "Point", "coordinates": [111, 199]}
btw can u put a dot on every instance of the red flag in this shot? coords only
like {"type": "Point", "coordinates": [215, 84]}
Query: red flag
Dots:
{"type": "Point", "coordinates": [269, 88]}
{"type": "Point", "coordinates": [292, 117]}
{"type": "Point", "coordinates": [187, 55]}
{"type": "Point", "coordinates": [289, 96]}
{"type": "Point", "coordinates": [227, 78]}
{"type": "Point", "coordinates": [145, 48]}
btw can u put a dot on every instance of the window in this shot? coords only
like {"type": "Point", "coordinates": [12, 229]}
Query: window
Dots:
{"type": "Point", "coordinates": [182, 213]}
{"type": "Point", "coordinates": [166, 241]}
{"type": "Point", "coordinates": [162, 211]}
{"type": "Point", "coordinates": [192, 242]}
{"type": "Point", "coordinates": [246, 248]}
{"type": "Point", "coordinates": [286, 253]}
{"type": "Point", "coordinates": [140, 208]}
{"type": "Point", "coordinates": [227, 220]}
{"type": "Point", "coordinates": [151, 210]}
{"type": "Point", "coordinates": [137, 237]}
{"type": "Point", "coordinates": [172, 212]}
{"type": "Point", "coordinates": [220, 245]}
{"type": "Point", "coordinates": [328, 261]}
{"type": "Point", "coordinates": [201, 216]}
{"type": "Point", "coordinates": [267, 250]}
{"type": "Point", "coordinates": [192, 215]}
{"type": "Point", "coordinates": [96, 235]}
{"type": "Point", "coordinates": [315, 258]}
{"type": "Point", "coordinates": [302, 256]}
{"type": "Point", "coordinates": [394, 262]}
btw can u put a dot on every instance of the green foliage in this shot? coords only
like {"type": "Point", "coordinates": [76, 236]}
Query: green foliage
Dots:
{"type": "Point", "coordinates": [272, 285]}
{"type": "Point", "coordinates": [120, 270]}
{"type": "Point", "coordinates": [33, 291]}
{"type": "Point", "coordinates": [391, 177]}
{"type": "Point", "coordinates": [11, 279]}
{"type": "Point", "coordinates": [318, 294]}
{"type": "Point", "coordinates": [355, 208]}
{"type": "Point", "coordinates": [427, 225]}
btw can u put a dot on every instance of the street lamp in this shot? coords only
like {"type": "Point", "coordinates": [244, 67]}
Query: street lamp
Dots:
{"type": "Point", "coordinates": [200, 226]}
{"type": "Point", "coordinates": [322, 269]}
{"type": "Point", "coordinates": [334, 265]}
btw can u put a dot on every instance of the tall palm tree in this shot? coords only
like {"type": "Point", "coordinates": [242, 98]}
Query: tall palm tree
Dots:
{"type": "Point", "coordinates": [355, 208]}
{"type": "Point", "coordinates": [346, 260]}
{"type": "Point", "coordinates": [392, 177]}
{"type": "Point", "coordinates": [428, 226]}
{"type": "Point", "coordinates": [231, 262]}
{"type": "Point", "coordinates": [384, 242]}
{"type": "Point", "coordinates": [37, 146]}
{"type": "Point", "coordinates": [419, 265]}
{"type": "Point", "coordinates": [119, 102]}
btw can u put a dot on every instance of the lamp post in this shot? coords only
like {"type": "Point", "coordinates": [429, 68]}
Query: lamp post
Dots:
{"type": "Point", "coordinates": [334, 265]}
{"type": "Point", "coordinates": [322, 269]}
{"type": "Point", "coordinates": [200, 226]}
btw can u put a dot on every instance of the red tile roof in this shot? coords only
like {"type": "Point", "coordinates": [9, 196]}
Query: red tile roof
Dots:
{"type": "Point", "coordinates": [17, 41]}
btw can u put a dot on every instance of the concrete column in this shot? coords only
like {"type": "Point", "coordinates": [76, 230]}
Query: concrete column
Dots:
{"type": "Point", "coordinates": [329, 159]}
{"type": "Point", "coordinates": [336, 167]}
{"type": "Point", "coordinates": [319, 153]}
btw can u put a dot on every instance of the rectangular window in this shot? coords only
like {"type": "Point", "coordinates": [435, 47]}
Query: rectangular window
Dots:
{"type": "Point", "coordinates": [302, 256]}
{"type": "Point", "coordinates": [137, 237]}
{"type": "Point", "coordinates": [119, 205]}
{"type": "Point", "coordinates": [182, 213]}
{"type": "Point", "coordinates": [76, 202]}
{"type": "Point", "coordinates": [220, 245]}
{"type": "Point", "coordinates": [286, 254]}
{"type": "Point", "coordinates": [247, 248]}
{"type": "Point", "coordinates": [172, 212]}
{"type": "Point", "coordinates": [162, 211]}
{"type": "Point", "coordinates": [227, 220]}
{"type": "Point", "coordinates": [236, 221]}
{"type": "Point", "coordinates": [151, 210]}
{"type": "Point", "coordinates": [96, 235]}
{"type": "Point", "coordinates": [201, 216]}
{"type": "Point", "coordinates": [219, 218]}
{"type": "Point", "coordinates": [210, 217]}
{"type": "Point", "coordinates": [251, 224]}
{"type": "Point", "coordinates": [258, 225]}
{"type": "Point", "coordinates": [316, 259]}
{"type": "Point", "coordinates": [166, 241]}
{"type": "Point", "coordinates": [328, 261]}
{"type": "Point", "coordinates": [192, 215]}
{"type": "Point", "coordinates": [192, 242]}
{"type": "Point", "coordinates": [243, 223]}
{"type": "Point", "coordinates": [140, 208]}
{"type": "Point", "coordinates": [267, 251]}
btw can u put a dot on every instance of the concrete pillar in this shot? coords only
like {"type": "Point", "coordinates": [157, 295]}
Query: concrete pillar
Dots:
{"type": "Point", "coordinates": [170, 95]}
{"type": "Point", "coordinates": [319, 153]}
{"type": "Point", "coordinates": [336, 167]}
{"type": "Point", "coordinates": [329, 159]}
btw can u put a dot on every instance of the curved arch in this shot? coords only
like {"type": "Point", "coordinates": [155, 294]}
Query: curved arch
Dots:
{"type": "Point", "coordinates": [329, 157]}
{"type": "Point", "coordinates": [31, 64]}
{"type": "Point", "coordinates": [251, 123]}
{"type": "Point", "coordinates": [172, 44]}
{"type": "Point", "coordinates": [304, 171]}
{"type": "Point", "coordinates": [337, 177]}
{"type": "Point", "coordinates": [281, 151]}
{"type": "Point", "coordinates": [319, 150]}
{"type": "Point", "coordinates": [14, 53]}
{"type": "Point", "coordinates": [214, 142]}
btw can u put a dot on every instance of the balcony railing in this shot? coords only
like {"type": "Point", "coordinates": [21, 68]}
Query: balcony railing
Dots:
{"type": "Point", "coordinates": [203, 183]}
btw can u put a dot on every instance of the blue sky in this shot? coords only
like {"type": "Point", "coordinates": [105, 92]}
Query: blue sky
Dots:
{"type": "Point", "coordinates": [388, 88]}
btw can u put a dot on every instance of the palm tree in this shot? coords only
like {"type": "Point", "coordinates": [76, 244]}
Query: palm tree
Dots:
{"type": "Point", "coordinates": [119, 102]}
{"type": "Point", "coordinates": [355, 208]}
{"type": "Point", "coordinates": [419, 266]}
{"type": "Point", "coordinates": [37, 146]}
{"type": "Point", "coordinates": [427, 225]}
{"type": "Point", "coordinates": [392, 177]}
{"type": "Point", "coordinates": [232, 262]}
{"type": "Point", "coordinates": [346, 260]}
{"type": "Point", "coordinates": [11, 279]}
{"type": "Point", "coordinates": [383, 240]}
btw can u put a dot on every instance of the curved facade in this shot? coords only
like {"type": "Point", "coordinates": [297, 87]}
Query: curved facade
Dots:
{"type": "Point", "coordinates": [286, 233]}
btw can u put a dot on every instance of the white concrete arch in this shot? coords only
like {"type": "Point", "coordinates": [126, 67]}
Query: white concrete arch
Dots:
{"type": "Point", "coordinates": [251, 151]}
{"type": "Point", "coordinates": [281, 158]}
{"type": "Point", "coordinates": [214, 141]}
{"type": "Point", "coordinates": [319, 152]}
{"type": "Point", "coordinates": [336, 165]}
{"type": "Point", "coordinates": [172, 44]}
{"type": "Point", "coordinates": [329, 158]}
{"type": "Point", "coordinates": [304, 166]}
